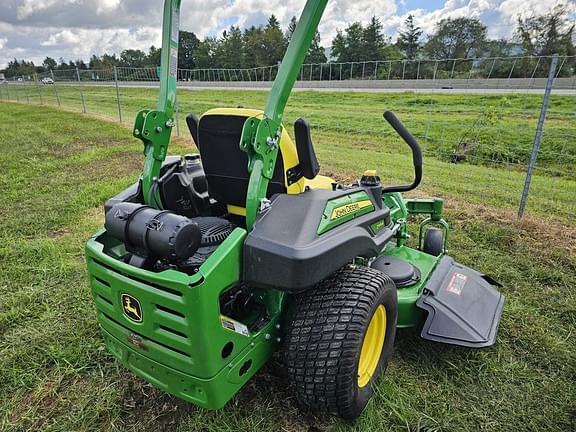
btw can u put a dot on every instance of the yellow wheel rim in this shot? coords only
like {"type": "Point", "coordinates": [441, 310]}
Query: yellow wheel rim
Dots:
{"type": "Point", "coordinates": [372, 346]}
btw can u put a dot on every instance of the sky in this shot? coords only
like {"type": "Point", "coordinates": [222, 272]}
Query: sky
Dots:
{"type": "Point", "coordinates": [75, 29]}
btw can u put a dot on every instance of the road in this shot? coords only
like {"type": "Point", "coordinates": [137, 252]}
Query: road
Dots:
{"type": "Point", "coordinates": [562, 86]}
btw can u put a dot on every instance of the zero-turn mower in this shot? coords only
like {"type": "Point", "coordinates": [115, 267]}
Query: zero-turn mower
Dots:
{"type": "Point", "coordinates": [211, 262]}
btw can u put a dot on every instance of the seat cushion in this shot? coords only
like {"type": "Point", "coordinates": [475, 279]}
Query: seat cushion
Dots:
{"type": "Point", "coordinates": [225, 164]}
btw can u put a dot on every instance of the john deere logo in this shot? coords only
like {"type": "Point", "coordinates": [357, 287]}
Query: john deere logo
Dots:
{"type": "Point", "coordinates": [131, 308]}
{"type": "Point", "coordinates": [347, 209]}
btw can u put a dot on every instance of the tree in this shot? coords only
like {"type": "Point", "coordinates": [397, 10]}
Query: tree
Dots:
{"type": "Point", "coordinates": [408, 41]}
{"type": "Point", "coordinates": [79, 63]}
{"type": "Point", "coordinates": [358, 43]}
{"type": "Point", "coordinates": [188, 45]}
{"type": "Point", "coordinates": [316, 53]}
{"type": "Point", "coordinates": [373, 40]}
{"type": "Point", "coordinates": [274, 42]}
{"type": "Point", "coordinates": [457, 38]}
{"type": "Point", "coordinates": [154, 57]}
{"type": "Point", "coordinates": [291, 28]}
{"type": "Point", "coordinates": [132, 58]}
{"type": "Point", "coordinates": [203, 57]}
{"type": "Point", "coordinates": [546, 34]}
{"type": "Point", "coordinates": [229, 52]}
{"type": "Point", "coordinates": [20, 68]}
{"type": "Point", "coordinates": [255, 47]}
{"type": "Point", "coordinates": [49, 63]}
{"type": "Point", "coordinates": [347, 46]}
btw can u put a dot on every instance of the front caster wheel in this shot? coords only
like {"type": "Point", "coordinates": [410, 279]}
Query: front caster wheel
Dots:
{"type": "Point", "coordinates": [340, 340]}
{"type": "Point", "coordinates": [433, 242]}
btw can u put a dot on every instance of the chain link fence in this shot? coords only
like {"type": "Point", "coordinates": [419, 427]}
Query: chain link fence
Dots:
{"type": "Point", "coordinates": [495, 131]}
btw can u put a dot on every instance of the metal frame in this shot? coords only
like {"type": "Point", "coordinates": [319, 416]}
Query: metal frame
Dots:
{"type": "Point", "coordinates": [260, 135]}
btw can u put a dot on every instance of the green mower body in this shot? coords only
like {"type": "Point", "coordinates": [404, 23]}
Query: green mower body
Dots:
{"type": "Point", "coordinates": [210, 263]}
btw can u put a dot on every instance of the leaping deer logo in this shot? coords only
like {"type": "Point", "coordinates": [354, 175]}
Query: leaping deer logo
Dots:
{"type": "Point", "coordinates": [131, 308]}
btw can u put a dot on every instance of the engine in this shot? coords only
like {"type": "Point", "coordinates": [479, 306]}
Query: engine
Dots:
{"type": "Point", "coordinates": [183, 234]}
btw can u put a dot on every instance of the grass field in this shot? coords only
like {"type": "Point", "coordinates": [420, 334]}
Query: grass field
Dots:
{"type": "Point", "coordinates": [502, 127]}
{"type": "Point", "coordinates": [56, 170]}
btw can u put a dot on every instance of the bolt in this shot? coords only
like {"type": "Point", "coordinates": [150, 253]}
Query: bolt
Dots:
{"type": "Point", "coordinates": [252, 344]}
{"type": "Point", "coordinates": [278, 340]}
{"type": "Point", "coordinates": [230, 365]}
{"type": "Point", "coordinates": [267, 336]}
{"type": "Point", "coordinates": [158, 129]}
{"type": "Point", "coordinates": [277, 326]}
{"type": "Point", "coordinates": [169, 124]}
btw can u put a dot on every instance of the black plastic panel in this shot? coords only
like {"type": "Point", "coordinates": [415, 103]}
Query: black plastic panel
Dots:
{"type": "Point", "coordinates": [284, 252]}
{"type": "Point", "coordinates": [463, 308]}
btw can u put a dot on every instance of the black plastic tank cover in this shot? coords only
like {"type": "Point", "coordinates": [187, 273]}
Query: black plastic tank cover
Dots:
{"type": "Point", "coordinates": [284, 250]}
{"type": "Point", "coordinates": [463, 307]}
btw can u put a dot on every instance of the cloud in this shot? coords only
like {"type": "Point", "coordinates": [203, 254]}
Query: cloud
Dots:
{"type": "Point", "coordinates": [34, 29]}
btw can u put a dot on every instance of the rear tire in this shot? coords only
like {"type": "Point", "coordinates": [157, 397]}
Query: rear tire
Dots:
{"type": "Point", "coordinates": [326, 337]}
{"type": "Point", "coordinates": [433, 242]}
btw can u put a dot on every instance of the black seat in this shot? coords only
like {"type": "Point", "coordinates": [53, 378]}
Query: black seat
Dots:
{"type": "Point", "coordinates": [225, 165]}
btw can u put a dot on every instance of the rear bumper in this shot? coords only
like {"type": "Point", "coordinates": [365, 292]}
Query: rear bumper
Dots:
{"type": "Point", "coordinates": [211, 393]}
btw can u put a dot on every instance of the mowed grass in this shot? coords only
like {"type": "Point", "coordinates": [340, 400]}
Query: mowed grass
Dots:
{"type": "Point", "coordinates": [56, 170]}
{"type": "Point", "coordinates": [499, 128]}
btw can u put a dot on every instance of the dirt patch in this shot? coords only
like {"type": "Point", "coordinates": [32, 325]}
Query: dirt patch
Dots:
{"type": "Point", "coordinates": [144, 407]}
{"type": "Point", "coordinates": [57, 233]}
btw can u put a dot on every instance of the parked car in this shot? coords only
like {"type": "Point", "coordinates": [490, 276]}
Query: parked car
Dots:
{"type": "Point", "coordinates": [47, 80]}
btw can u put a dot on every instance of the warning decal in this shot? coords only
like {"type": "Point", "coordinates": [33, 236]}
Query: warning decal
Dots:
{"type": "Point", "coordinates": [233, 325]}
{"type": "Point", "coordinates": [457, 283]}
{"type": "Point", "coordinates": [173, 61]}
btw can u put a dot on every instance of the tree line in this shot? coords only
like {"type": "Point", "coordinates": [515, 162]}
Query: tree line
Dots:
{"type": "Point", "coordinates": [260, 46]}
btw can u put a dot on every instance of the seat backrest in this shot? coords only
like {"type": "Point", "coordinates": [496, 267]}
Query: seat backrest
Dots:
{"type": "Point", "coordinates": [225, 165]}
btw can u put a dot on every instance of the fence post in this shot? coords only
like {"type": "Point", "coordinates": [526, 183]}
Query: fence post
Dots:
{"type": "Point", "coordinates": [16, 90]}
{"type": "Point", "coordinates": [27, 90]}
{"type": "Point", "coordinates": [117, 95]}
{"type": "Point", "coordinates": [39, 87]}
{"type": "Point", "coordinates": [81, 90]}
{"type": "Point", "coordinates": [512, 69]}
{"type": "Point", "coordinates": [538, 136]}
{"type": "Point", "coordinates": [55, 89]}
